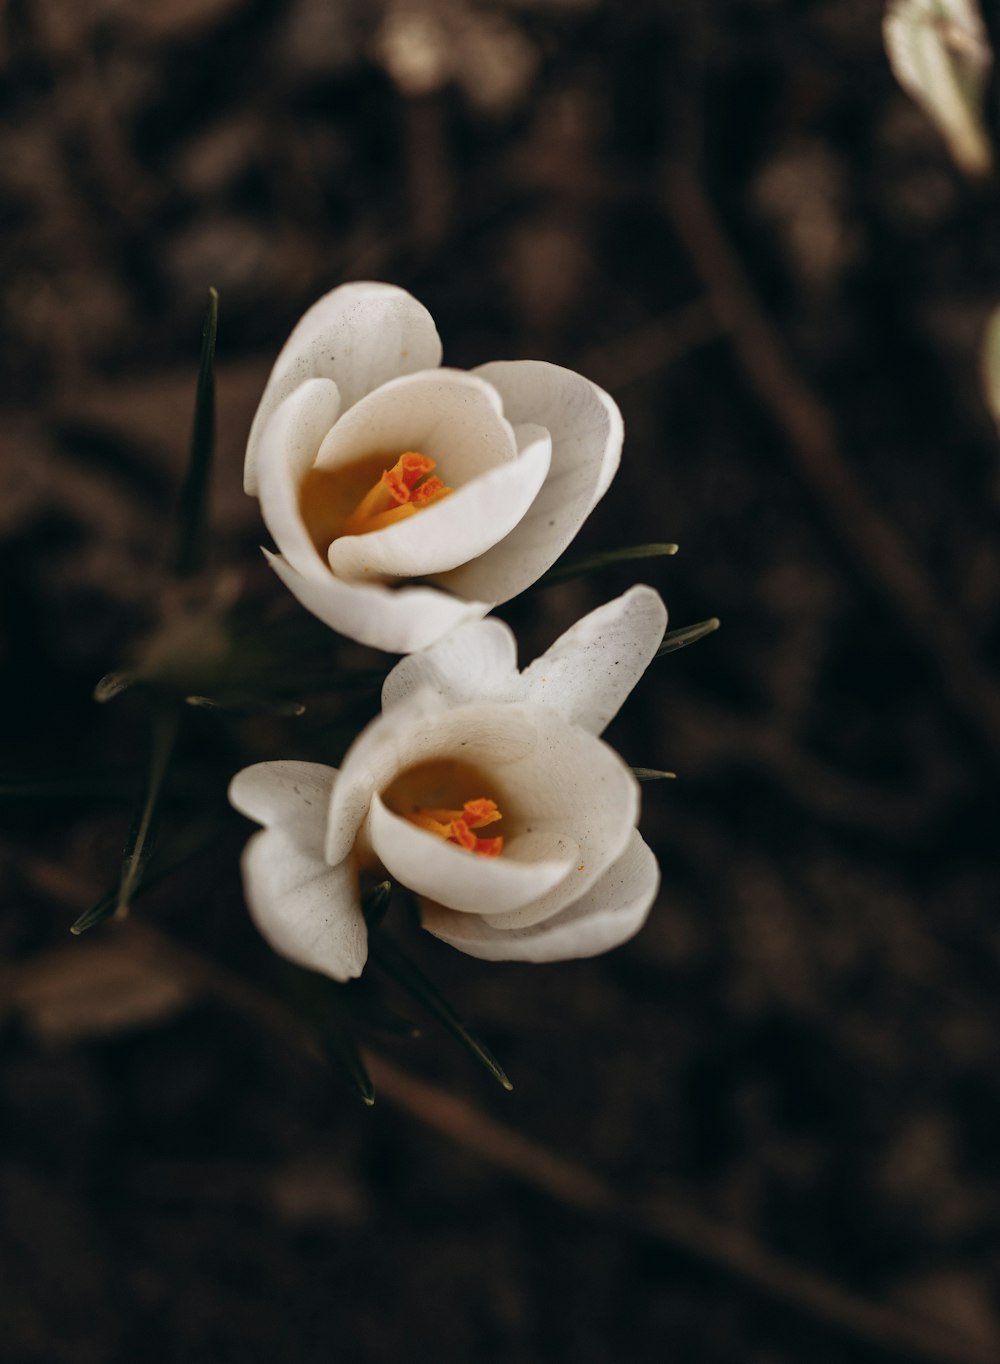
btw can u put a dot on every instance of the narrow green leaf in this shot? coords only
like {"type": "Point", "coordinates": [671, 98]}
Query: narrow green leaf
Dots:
{"type": "Point", "coordinates": [191, 512]}
{"type": "Point", "coordinates": [255, 705]}
{"type": "Point", "coordinates": [687, 634]}
{"type": "Point", "coordinates": [163, 864]}
{"type": "Point", "coordinates": [651, 774]}
{"type": "Point", "coordinates": [112, 685]}
{"type": "Point", "coordinates": [368, 1008]}
{"type": "Point", "coordinates": [576, 568]}
{"type": "Point", "coordinates": [139, 845]}
{"type": "Point", "coordinates": [395, 962]}
{"type": "Point", "coordinates": [375, 904]}
{"type": "Point", "coordinates": [341, 1049]}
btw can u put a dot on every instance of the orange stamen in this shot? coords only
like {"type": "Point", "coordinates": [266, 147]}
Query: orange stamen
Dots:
{"type": "Point", "coordinates": [398, 493]}
{"type": "Point", "coordinates": [456, 826]}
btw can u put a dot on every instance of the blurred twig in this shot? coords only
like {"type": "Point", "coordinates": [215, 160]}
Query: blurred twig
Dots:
{"type": "Point", "coordinates": [675, 1223]}
{"type": "Point", "coordinates": [815, 452]}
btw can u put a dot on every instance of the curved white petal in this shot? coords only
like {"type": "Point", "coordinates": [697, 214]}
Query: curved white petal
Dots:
{"type": "Point", "coordinates": [612, 911]}
{"type": "Point", "coordinates": [294, 796]}
{"type": "Point", "coordinates": [529, 864]}
{"type": "Point", "coordinates": [453, 417]}
{"type": "Point", "coordinates": [474, 661]}
{"type": "Point", "coordinates": [573, 782]}
{"type": "Point", "coordinates": [416, 731]}
{"type": "Point", "coordinates": [590, 670]}
{"type": "Point", "coordinates": [359, 335]}
{"type": "Point", "coordinates": [586, 428]}
{"type": "Point", "coordinates": [397, 619]}
{"type": "Point", "coordinates": [459, 527]}
{"type": "Point", "coordinates": [287, 450]}
{"type": "Point", "coordinates": [308, 911]}
{"type": "Point", "coordinates": [547, 776]}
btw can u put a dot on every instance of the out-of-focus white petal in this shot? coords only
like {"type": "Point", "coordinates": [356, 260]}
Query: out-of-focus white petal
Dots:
{"type": "Point", "coordinates": [477, 661]}
{"type": "Point", "coordinates": [530, 864]}
{"type": "Point", "coordinates": [939, 51]}
{"type": "Point", "coordinates": [416, 731]}
{"type": "Point", "coordinates": [308, 911]}
{"type": "Point", "coordinates": [286, 451]}
{"type": "Point", "coordinates": [294, 796]}
{"type": "Point", "coordinates": [590, 670]}
{"type": "Point", "coordinates": [453, 417]}
{"type": "Point", "coordinates": [586, 429]}
{"type": "Point", "coordinates": [397, 620]}
{"type": "Point", "coordinates": [612, 911]}
{"type": "Point", "coordinates": [360, 336]}
{"type": "Point", "coordinates": [449, 532]}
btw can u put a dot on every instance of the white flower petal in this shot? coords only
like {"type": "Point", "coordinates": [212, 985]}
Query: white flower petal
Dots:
{"type": "Point", "coordinates": [360, 336]}
{"type": "Point", "coordinates": [459, 527]}
{"type": "Point", "coordinates": [308, 911]}
{"type": "Point", "coordinates": [397, 619]}
{"type": "Point", "coordinates": [590, 670]}
{"type": "Point", "coordinates": [586, 428]}
{"type": "Point", "coordinates": [529, 865]}
{"type": "Point", "coordinates": [453, 417]}
{"type": "Point", "coordinates": [477, 661]}
{"type": "Point", "coordinates": [612, 911]}
{"type": "Point", "coordinates": [417, 731]}
{"type": "Point", "coordinates": [286, 451]}
{"type": "Point", "coordinates": [572, 782]}
{"type": "Point", "coordinates": [547, 777]}
{"type": "Point", "coordinates": [294, 796]}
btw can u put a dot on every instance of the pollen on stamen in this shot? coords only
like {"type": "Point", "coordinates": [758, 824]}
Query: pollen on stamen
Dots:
{"type": "Point", "coordinates": [458, 826]}
{"type": "Point", "coordinates": [397, 494]}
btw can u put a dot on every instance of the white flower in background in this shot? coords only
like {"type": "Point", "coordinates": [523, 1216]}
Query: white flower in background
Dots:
{"type": "Point", "coordinates": [375, 467]}
{"type": "Point", "coordinates": [939, 52]}
{"type": "Point", "coordinates": [484, 790]}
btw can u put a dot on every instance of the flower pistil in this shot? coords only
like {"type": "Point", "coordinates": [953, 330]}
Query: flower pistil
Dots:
{"type": "Point", "coordinates": [398, 493]}
{"type": "Point", "coordinates": [458, 826]}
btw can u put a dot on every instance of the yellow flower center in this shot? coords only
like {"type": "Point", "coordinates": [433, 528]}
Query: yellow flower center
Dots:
{"type": "Point", "coordinates": [367, 496]}
{"type": "Point", "coordinates": [435, 796]}
{"type": "Point", "coordinates": [458, 826]}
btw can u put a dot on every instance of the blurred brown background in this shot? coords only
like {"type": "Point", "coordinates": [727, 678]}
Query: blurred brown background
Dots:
{"type": "Point", "coordinates": [728, 214]}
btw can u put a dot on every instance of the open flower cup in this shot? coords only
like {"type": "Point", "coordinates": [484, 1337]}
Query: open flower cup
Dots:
{"type": "Point", "coordinates": [375, 468]}
{"type": "Point", "coordinates": [482, 789]}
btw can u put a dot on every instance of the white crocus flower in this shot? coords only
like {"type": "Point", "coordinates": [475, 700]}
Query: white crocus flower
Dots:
{"type": "Point", "coordinates": [484, 790]}
{"type": "Point", "coordinates": [375, 467]}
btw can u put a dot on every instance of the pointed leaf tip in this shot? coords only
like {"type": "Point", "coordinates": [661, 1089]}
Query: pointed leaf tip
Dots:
{"type": "Point", "coordinates": [576, 568]}
{"type": "Point", "coordinates": [112, 685]}
{"type": "Point", "coordinates": [191, 509]}
{"type": "Point", "coordinates": [409, 976]}
{"type": "Point", "coordinates": [687, 634]}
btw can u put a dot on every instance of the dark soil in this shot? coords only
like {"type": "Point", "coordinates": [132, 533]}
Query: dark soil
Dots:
{"type": "Point", "coordinates": [802, 1044]}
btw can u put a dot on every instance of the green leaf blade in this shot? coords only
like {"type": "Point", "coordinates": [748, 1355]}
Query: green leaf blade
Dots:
{"type": "Point", "coordinates": [192, 508]}
{"type": "Point", "coordinates": [590, 563]}
{"type": "Point", "coordinates": [687, 634]}
{"type": "Point", "coordinates": [395, 962]}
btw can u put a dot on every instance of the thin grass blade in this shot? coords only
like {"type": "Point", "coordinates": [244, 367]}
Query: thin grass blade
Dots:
{"type": "Point", "coordinates": [687, 634]}
{"type": "Point", "coordinates": [192, 508]}
{"type": "Point", "coordinates": [576, 568]}
{"type": "Point", "coordinates": [180, 850]}
{"type": "Point", "coordinates": [249, 705]}
{"type": "Point", "coordinates": [409, 976]}
{"type": "Point", "coordinates": [142, 835]}
{"type": "Point", "coordinates": [652, 774]}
